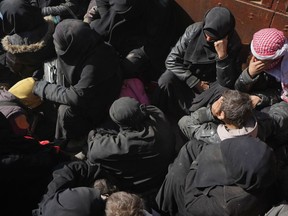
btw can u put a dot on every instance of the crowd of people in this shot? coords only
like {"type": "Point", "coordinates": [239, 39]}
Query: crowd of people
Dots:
{"type": "Point", "coordinates": [105, 110]}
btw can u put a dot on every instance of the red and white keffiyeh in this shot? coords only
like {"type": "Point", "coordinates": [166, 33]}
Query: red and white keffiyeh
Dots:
{"type": "Point", "coordinates": [271, 44]}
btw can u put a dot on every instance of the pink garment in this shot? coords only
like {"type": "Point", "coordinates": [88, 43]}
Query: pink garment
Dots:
{"type": "Point", "coordinates": [134, 88]}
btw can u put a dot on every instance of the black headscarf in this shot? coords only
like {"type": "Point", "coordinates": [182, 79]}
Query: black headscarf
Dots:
{"type": "Point", "coordinates": [249, 162]}
{"type": "Point", "coordinates": [127, 112]}
{"type": "Point", "coordinates": [80, 201]}
{"type": "Point", "coordinates": [243, 161]}
{"type": "Point", "coordinates": [74, 42]}
{"type": "Point", "coordinates": [218, 22]}
{"type": "Point", "coordinates": [20, 16]}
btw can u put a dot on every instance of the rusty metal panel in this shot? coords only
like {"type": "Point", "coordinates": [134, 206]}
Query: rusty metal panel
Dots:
{"type": "Point", "coordinates": [250, 17]}
{"type": "Point", "coordinates": [281, 6]}
{"type": "Point", "coordinates": [280, 21]}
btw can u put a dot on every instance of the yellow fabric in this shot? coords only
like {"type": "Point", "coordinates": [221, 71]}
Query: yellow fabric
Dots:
{"type": "Point", "coordinates": [23, 91]}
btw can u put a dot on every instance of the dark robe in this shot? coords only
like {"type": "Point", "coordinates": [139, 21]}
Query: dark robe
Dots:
{"type": "Point", "coordinates": [142, 28]}
{"type": "Point", "coordinates": [234, 178]}
{"type": "Point", "coordinates": [26, 168]}
{"type": "Point", "coordinates": [70, 191]}
{"type": "Point", "coordinates": [139, 154]}
{"type": "Point", "coordinates": [92, 79]}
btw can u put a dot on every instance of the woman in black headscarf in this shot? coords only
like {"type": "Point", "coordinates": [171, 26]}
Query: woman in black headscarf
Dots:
{"type": "Point", "coordinates": [29, 41]}
{"type": "Point", "coordinates": [92, 79]}
{"type": "Point", "coordinates": [71, 192]}
{"type": "Point", "coordinates": [206, 52]}
{"type": "Point", "coordinates": [236, 177]}
{"type": "Point", "coordinates": [138, 154]}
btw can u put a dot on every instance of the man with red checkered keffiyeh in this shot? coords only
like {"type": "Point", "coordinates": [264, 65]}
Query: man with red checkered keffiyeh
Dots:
{"type": "Point", "coordinates": [270, 46]}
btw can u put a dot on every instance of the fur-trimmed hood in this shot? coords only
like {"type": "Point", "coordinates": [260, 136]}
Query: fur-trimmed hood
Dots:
{"type": "Point", "coordinates": [27, 42]}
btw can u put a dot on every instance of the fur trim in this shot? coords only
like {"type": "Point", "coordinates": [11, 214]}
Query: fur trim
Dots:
{"type": "Point", "coordinates": [17, 49]}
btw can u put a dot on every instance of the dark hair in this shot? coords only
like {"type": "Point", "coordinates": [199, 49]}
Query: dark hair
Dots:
{"type": "Point", "coordinates": [105, 187]}
{"type": "Point", "coordinates": [122, 203]}
{"type": "Point", "coordinates": [237, 107]}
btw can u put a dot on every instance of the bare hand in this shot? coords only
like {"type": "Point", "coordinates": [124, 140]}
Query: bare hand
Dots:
{"type": "Point", "coordinates": [255, 100]}
{"type": "Point", "coordinates": [91, 15]}
{"type": "Point", "coordinates": [216, 108]}
{"type": "Point", "coordinates": [221, 47]}
{"type": "Point", "coordinates": [255, 67]}
{"type": "Point", "coordinates": [202, 86]}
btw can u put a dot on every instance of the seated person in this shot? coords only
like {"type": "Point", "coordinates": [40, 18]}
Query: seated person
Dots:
{"type": "Point", "coordinates": [71, 191]}
{"type": "Point", "coordinates": [136, 29]}
{"type": "Point", "coordinates": [139, 153]}
{"type": "Point", "coordinates": [28, 42]}
{"type": "Point", "coordinates": [92, 80]}
{"type": "Point", "coordinates": [235, 177]}
{"type": "Point", "coordinates": [263, 75]}
{"type": "Point", "coordinates": [206, 53]}
{"type": "Point", "coordinates": [230, 116]}
{"type": "Point", "coordinates": [82, 189]}
{"type": "Point", "coordinates": [170, 200]}
{"type": "Point", "coordinates": [26, 168]}
{"type": "Point", "coordinates": [19, 107]}
{"type": "Point", "coordinates": [266, 78]}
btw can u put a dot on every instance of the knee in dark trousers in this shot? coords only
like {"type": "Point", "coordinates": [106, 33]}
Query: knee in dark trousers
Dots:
{"type": "Point", "coordinates": [70, 124]}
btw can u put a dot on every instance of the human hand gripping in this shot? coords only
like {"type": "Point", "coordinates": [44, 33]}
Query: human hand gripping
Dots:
{"type": "Point", "coordinates": [202, 86]}
{"type": "Point", "coordinates": [255, 67]}
{"type": "Point", "coordinates": [216, 109]}
{"type": "Point", "coordinates": [221, 47]}
{"type": "Point", "coordinates": [255, 100]}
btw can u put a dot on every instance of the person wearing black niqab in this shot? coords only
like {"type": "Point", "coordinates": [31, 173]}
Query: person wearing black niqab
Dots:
{"type": "Point", "coordinates": [139, 153]}
{"type": "Point", "coordinates": [92, 79]}
{"type": "Point", "coordinates": [235, 178]}
{"type": "Point", "coordinates": [205, 54]}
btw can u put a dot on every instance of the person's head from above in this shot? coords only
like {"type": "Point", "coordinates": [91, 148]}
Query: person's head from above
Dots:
{"type": "Point", "coordinates": [73, 39]}
{"type": "Point", "coordinates": [128, 112]}
{"type": "Point", "coordinates": [269, 45]}
{"type": "Point", "coordinates": [219, 22]}
{"type": "Point", "coordinates": [20, 16]}
{"type": "Point", "coordinates": [235, 108]}
{"type": "Point", "coordinates": [122, 203]}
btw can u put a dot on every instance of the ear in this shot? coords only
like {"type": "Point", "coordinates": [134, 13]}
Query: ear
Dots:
{"type": "Point", "coordinates": [221, 115]}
